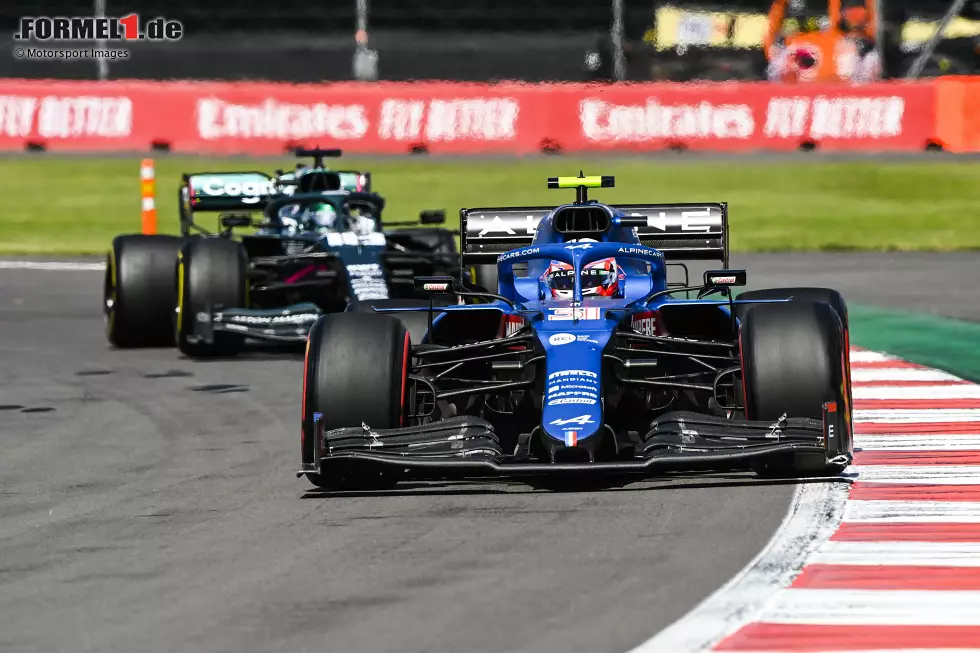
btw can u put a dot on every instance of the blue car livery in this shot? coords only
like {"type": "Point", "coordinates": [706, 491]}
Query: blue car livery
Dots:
{"type": "Point", "coordinates": [586, 360]}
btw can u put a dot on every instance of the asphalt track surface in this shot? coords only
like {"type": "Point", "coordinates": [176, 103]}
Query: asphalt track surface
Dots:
{"type": "Point", "coordinates": [148, 503]}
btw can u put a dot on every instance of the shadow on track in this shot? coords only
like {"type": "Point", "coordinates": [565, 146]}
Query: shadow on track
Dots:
{"type": "Point", "coordinates": [488, 486]}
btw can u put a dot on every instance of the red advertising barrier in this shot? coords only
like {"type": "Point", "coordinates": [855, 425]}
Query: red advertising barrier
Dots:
{"type": "Point", "coordinates": [267, 118]}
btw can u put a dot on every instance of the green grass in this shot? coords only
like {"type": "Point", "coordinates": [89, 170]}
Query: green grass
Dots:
{"type": "Point", "coordinates": [69, 205]}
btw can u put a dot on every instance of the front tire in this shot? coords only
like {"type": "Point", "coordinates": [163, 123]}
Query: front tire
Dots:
{"type": "Point", "coordinates": [793, 362]}
{"type": "Point", "coordinates": [355, 373]}
{"type": "Point", "coordinates": [824, 295]}
{"type": "Point", "coordinates": [211, 272]}
{"type": "Point", "coordinates": [140, 290]}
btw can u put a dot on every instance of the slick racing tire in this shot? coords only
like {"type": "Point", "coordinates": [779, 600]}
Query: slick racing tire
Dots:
{"type": "Point", "coordinates": [824, 295]}
{"type": "Point", "coordinates": [140, 290]}
{"type": "Point", "coordinates": [793, 361]}
{"type": "Point", "coordinates": [417, 322]}
{"type": "Point", "coordinates": [355, 373]}
{"type": "Point", "coordinates": [211, 273]}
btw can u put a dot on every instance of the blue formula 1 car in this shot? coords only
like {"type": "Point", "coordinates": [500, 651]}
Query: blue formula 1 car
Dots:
{"type": "Point", "coordinates": [584, 363]}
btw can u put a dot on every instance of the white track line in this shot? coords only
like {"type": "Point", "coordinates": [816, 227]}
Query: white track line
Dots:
{"type": "Point", "coordinates": [875, 607]}
{"type": "Point", "coordinates": [917, 392]}
{"type": "Point", "coordinates": [61, 266]}
{"type": "Point", "coordinates": [937, 554]}
{"type": "Point", "coordinates": [928, 474]}
{"type": "Point", "coordinates": [916, 415]}
{"type": "Point", "coordinates": [885, 374]}
{"type": "Point", "coordinates": [960, 512]}
{"type": "Point", "coordinates": [917, 442]}
{"type": "Point", "coordinates": [864, 356]}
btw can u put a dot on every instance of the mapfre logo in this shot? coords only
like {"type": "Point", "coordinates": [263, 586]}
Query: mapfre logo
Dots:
{"type": "Point", "coordinates": [273, 119]}
{"type": "Point", "coordinates": [512, 324]}
{"type": "Point", "coordinates": [480, 119]}
{"type": "Point", "coordinates": [603, 121]}
{"type": "Point", "coordinates": [646, 323]}
{"type": "Point", "coordinates": [66, 117]}
{"type": "Point", "coordinates": [835, 117]}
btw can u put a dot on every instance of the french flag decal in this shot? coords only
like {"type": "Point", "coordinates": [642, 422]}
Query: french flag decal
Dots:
{"type": "Point", "coordinates": [571, 438]}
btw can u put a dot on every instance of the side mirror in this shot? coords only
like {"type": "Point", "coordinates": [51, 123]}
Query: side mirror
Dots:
{"type": "Point", "coordinates": [435, 285]}
{"type": "Point", "coordinates": [433, 217]}
{"type": "Point", "coordinates": [725, 278]}
{"type": "Point", "coordinates": [232, 220]}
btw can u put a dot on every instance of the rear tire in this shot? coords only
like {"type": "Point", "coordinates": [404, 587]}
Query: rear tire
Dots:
{"type": "Point", "coordinates": [793, 361]}
{"type": "Point", "coordinates": [140, 290]}
{"type": "Point", "coordinates": [355, 373]}
{"type": "Point", "coordinates": [211, 272]}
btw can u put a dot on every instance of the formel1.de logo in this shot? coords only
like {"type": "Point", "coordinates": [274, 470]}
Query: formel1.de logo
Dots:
{"type": "Point", "coordinates": [98, 28]}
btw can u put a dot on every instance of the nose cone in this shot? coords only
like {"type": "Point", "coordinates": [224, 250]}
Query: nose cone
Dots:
{"type": "Point", "coordinates": [572, 406]}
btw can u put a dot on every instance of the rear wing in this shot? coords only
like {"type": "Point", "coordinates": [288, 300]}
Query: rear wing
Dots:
{"type": "Point", "coordinates": [225, 191]}
{"type": "Point", "coordinates": [680, 231]}
{"type": "Point", "coordinates": [230, 191]}
{"type": "Point", "coordinates": [355, 181]}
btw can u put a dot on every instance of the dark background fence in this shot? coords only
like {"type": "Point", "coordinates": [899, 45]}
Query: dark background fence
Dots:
{"type": "Point", "coordinates": [466, 40]}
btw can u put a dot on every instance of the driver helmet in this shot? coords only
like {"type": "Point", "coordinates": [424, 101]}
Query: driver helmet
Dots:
{"type": "Point", "coordinates": [321, 216]}
{"type": "Point", "coordinates": [599, 279]}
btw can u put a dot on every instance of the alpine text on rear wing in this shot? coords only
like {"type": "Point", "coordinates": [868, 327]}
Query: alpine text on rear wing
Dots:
{"type": "Point", "coordinates": [680, 231]}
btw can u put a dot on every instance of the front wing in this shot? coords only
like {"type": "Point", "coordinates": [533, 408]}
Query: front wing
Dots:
{"type": "Point", "coordinates": [287, 324]}
{"type": "Point", "coordinates": [677, 441]}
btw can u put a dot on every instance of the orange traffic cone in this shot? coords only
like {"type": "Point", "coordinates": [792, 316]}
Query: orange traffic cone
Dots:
{"type": "Point", "coordinates": [148, 184]}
